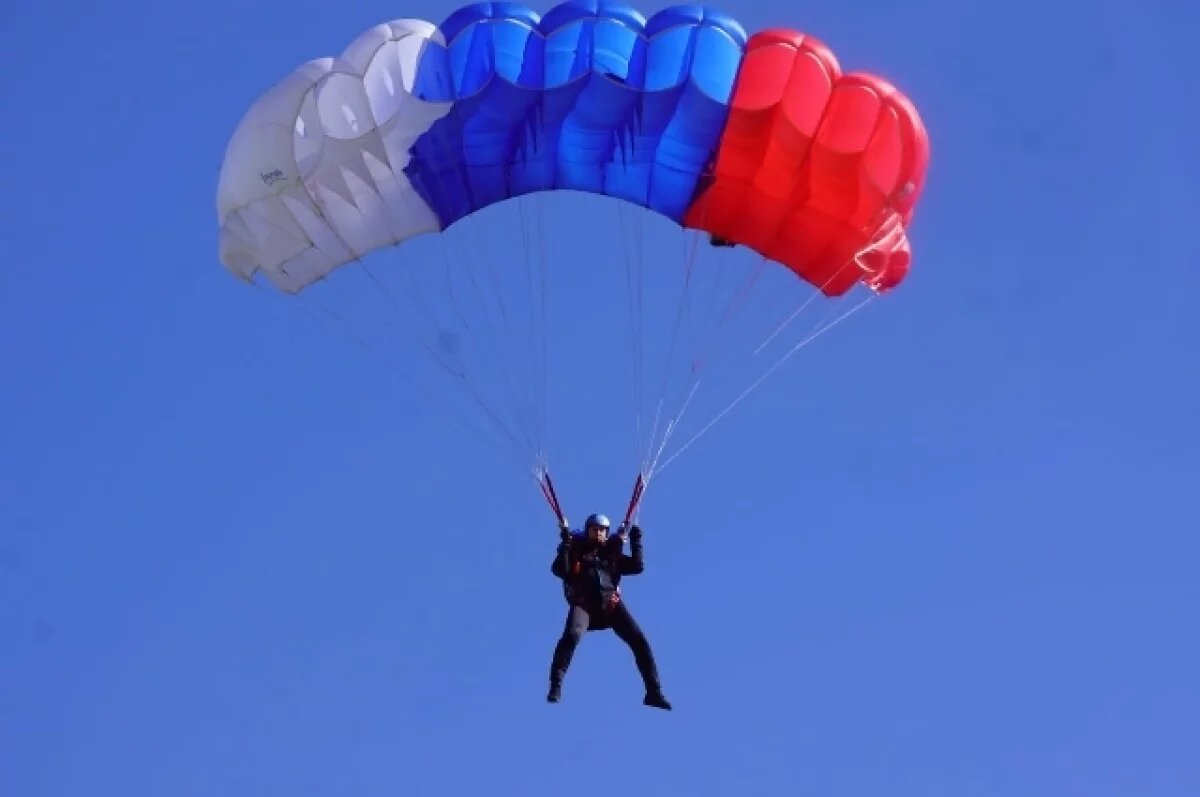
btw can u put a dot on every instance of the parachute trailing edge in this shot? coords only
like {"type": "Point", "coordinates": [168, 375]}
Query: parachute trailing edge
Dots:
{"type": "Point", "coordinates": [758, 140]}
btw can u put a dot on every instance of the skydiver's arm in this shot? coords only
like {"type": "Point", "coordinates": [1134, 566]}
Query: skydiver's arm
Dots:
{"type": "Point", "coordinates": [562, 560]}
{"type": "Point", "coordinates": [634, 563]}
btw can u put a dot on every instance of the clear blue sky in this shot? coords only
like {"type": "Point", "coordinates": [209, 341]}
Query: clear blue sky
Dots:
{"type": "Point", "coordinates": [950, 548]}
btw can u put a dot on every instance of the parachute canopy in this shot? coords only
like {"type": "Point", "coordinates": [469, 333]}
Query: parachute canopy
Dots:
{"type": "Point", "coordinates": [758, 140]}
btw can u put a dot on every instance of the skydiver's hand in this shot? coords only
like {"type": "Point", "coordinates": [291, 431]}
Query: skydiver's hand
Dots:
{"type": "Point", "coordinates": [564, 530]}
{"type": "Point", "coordinates": [635, 533]}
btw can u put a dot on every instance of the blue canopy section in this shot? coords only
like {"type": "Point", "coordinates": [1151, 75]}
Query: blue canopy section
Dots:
{"type": "Point", "coordinates": [589, 97]}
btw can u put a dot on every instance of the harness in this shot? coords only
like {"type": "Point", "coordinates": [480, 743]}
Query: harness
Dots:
{"type": "Point", "coordinates": [602, 560]}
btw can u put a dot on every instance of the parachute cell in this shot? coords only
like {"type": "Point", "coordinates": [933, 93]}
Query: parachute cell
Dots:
{"type": "Point", "coordinates": [816, 170]}
{"type": "Point", "coordinates": [314, 174]}
{"type": "Point", "coordinates": [590, 97]}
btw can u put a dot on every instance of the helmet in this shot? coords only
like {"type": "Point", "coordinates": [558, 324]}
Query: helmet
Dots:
{"type": "Point", "coordinates": [596, 520]}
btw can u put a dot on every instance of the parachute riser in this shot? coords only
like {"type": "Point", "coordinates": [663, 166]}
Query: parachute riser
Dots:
{"type": "Point", "coordinates": [550, 494]}
{"type": "Point", "coordinates": [635, 500]}
{"type": "Point", "coordinates": [547, 485]}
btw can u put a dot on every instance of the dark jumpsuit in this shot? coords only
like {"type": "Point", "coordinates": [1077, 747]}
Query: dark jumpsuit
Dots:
{"type": "Point", "coordinates": [591, 575]}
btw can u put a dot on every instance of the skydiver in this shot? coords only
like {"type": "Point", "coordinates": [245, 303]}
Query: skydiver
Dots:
{"type": "Point", "coordinates": [590, 566]}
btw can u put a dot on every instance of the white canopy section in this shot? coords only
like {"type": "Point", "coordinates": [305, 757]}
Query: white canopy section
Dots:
{"type": "Point", "coordinates": [313, 175]}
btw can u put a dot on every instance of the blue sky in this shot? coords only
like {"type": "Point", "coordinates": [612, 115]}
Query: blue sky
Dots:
{"type": "Point", "coordinates": [947, 549]}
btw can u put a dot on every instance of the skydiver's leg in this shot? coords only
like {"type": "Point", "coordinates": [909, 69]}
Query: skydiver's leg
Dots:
{"type": "Point", "coordinates": [575, 626]}
{"type": "Point", "coordinates": [625, 627]}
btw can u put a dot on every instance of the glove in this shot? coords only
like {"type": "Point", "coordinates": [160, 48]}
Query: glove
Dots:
{"type": "Point", "coordinates": [564, 530]}
{"type": "Point", "coordinates": [635, 533]}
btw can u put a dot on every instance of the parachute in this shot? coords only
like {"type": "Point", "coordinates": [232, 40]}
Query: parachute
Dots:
{"type": "Point", "coordinates": [759, 141]}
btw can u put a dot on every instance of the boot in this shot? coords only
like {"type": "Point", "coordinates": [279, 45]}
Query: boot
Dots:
{"type": "Point", "coordinates": [555, 693]}
{"type": "Point", "coordinates": [656, 699]}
